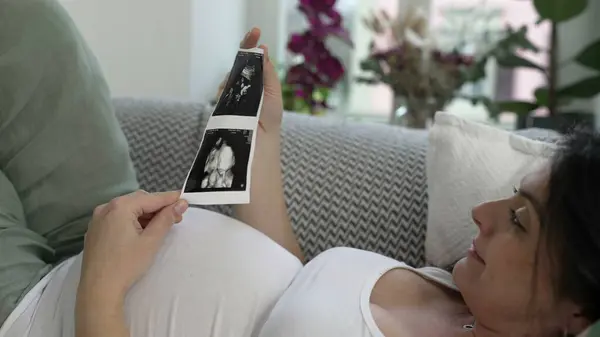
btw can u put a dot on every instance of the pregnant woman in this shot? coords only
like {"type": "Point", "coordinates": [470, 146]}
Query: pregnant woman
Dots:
{"type": "Point", "coordinates": [152, 266]}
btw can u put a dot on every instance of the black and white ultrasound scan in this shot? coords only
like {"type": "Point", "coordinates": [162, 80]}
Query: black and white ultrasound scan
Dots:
{"type": "Point", "coordinates": [221, 171]}
{"type": "Point", "coordinates": [242, 93]}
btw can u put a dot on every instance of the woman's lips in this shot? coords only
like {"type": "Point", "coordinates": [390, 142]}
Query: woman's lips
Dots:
{"type": "Point", "coordinates": [473, 252]}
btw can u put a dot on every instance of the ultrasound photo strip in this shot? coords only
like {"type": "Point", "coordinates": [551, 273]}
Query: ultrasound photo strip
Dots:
{"type": "Point", "coordinates": [221, 171]}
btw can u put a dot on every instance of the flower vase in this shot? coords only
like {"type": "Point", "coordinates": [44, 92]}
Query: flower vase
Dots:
{"type": "Point", "coordinates": [412, 113]}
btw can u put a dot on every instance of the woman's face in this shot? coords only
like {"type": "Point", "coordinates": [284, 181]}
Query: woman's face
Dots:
{"type": "Point", "coordinates": [508, 289]}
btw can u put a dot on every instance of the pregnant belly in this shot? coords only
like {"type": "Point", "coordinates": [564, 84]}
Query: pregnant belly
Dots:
{"type": "Point", "coordinates": [214, 276]}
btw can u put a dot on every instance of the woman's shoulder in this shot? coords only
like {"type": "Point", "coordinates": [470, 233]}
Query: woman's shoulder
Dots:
{"type": "Point", "coordinates": [354, 256]}
{"type": "Point", "coordinates": [356, 259]}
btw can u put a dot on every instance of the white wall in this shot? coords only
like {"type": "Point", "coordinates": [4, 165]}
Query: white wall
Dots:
{"type": "Point", "coordinates": [218, 26]}
{"type": "Point", "coordinates": [574, 35]}
{"type": "Point", "coordinates": [142, 45]}
{"type": "Point", "coordinates": [176, 49]}
{"type": "Point", "coordinates": [270, 16]}
{"type": "Point", "coordinates": [363, 98]}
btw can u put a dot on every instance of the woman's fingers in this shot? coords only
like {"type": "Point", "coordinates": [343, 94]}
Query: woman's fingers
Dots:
{"type": "Point", "coordinates": [251, 39]}
{"type": "Point", "coordinates": [162, 222]}
{"type": "Point", "coordinates": [145, 203]}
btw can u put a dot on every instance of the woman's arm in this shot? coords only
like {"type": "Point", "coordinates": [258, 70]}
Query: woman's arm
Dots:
{"type": "Point", "coordinates": [100, 315]}
{"type": "Point", "coordinates": [267, 211]}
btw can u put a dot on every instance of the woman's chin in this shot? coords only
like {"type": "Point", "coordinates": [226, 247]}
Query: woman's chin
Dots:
{"type": "Point", "coordinates": [462, 272]}
{"type": "Point", "coordinates": [466, 271]}
{"type": "Point", "coordinates": [459, 266]}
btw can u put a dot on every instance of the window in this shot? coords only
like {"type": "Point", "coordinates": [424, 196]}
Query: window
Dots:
{"type": "Point", "coordinates": [501, 84]}
{"type": "Point", "coordinates": [351, 98]}
{"type": "Point", "coordinates": [458, 24]}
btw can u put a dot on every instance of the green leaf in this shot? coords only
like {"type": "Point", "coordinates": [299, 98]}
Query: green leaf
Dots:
{"type": "Point", "coordinates": [542, 96]}
{"type": "Point", "coordinates": [517, 39]}
{"type": "Point", "coordinates": [559, 10]}
{"type": "Point", "coordinates": [590, 56]}
{"type": "Point", "coordinates": [518, 107]}
{"type": "Point", "coordinates": [492, 108]}
{"type": "Point", "coordinates": [476, 72]}
{"type": "Point", "coordinates": [367, 80]}
{"type": "Point", "coordinates": [371, 65]}
{"type": "Point", "coordinates": [509, 60]}
{"type": "Point", "coordinates": [321, 94]}
{"type": "Point", "coordinates": [586, 88]}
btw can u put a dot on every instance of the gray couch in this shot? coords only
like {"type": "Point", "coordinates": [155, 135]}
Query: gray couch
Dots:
{"type": "Point", "coordinates": [346, 184]}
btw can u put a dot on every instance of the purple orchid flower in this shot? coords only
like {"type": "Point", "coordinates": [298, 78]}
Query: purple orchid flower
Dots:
{"type": "Point", "coordinates": [300, 74]}
{"type": "Point", "coordinates": [320, 68]}
{"type": "Point", "coordinates": [325, 21]}
{"type": "Point", "coordinates": [331, 68]}
{"type": "Point", "coordinates": [300, 92]}
{"type": "Point", "coordinates": [307, 45]}
{"type": "Point", "coordinates": [319, 5]}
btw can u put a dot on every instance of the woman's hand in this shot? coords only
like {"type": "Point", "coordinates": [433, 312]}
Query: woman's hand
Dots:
{"type": "Point", "coordinates": [120, 245]}
{"type": "Point", "coordinates": [123, 238]}
{"type": "Point", "coordinates": [272, 108]}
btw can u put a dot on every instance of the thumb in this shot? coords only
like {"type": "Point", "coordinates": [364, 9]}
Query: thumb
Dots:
{"type": "Point", "coordinates": [271, 80]}
{"type": "Point", "coordinates": [162, 222]}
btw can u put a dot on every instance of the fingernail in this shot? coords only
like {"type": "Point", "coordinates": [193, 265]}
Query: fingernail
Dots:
{"type": "Point", "coordinates": [180, 207]}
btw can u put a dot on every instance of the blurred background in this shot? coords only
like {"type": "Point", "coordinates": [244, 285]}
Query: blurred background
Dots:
{"type": "Point", "coordinates": [398, 58]}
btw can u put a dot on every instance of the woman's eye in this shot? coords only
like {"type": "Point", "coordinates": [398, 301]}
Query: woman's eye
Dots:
{"type": "Point", "coordinates": [514, 219]}
{"type": "Point", "coordinates": [515, 190]}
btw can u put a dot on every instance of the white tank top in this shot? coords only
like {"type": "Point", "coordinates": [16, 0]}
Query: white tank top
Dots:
{"type": "Point", "coordinates": [217, 277]}
{"type": "Point", "coordinates": [330, 296]}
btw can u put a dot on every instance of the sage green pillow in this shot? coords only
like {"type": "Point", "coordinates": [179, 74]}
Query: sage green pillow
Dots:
{"type": "Point", "coordinates": [593, 331]}
{"type": "Point", "coordinates": [61, 147]}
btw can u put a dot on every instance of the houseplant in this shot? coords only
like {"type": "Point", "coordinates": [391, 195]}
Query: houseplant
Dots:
{"type": "Point", "coordinates": [308, 82]}
{"type": "Point", "coordinates": [551, 96]}
{"type": "Point", "coordinates": [422, 77]}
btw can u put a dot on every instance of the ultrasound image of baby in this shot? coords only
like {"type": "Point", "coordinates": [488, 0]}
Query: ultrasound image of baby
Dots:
{"type": "Point", "coordinates": [243, 92]}
{"type": "Point", "coordinates": [217, 169]}
{"type": "Point", "coordinates": [222, 163]}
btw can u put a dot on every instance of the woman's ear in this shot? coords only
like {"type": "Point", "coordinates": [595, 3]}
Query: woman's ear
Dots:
{"type": "Point", "coordinates": [575, 321]}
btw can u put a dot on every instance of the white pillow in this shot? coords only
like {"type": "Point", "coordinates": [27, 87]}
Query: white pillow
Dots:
{"type": "Point", "coordinates": [469, 163]}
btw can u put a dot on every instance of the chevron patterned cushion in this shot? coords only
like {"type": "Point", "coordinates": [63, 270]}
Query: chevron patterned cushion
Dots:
{"type": "Point", "coordinates": [346, 184]}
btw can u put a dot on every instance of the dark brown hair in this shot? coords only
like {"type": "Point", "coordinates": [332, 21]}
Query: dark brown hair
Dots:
{"type": "Point", "coordinates": [571, 223]}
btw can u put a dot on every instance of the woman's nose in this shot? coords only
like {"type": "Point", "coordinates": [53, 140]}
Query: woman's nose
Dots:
{"type": "Point", "coordinates": [483, 216]}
